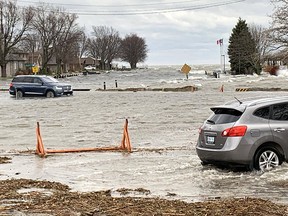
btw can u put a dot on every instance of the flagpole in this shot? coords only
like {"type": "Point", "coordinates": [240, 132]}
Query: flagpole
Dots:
{"type": "Point", "coordinates": [221, 54]}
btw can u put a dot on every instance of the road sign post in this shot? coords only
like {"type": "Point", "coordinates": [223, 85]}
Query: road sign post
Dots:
{"type": "Point", "coordinates": [186, 69]}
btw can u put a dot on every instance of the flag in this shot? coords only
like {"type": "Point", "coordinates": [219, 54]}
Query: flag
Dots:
{"type": "Point", "coordinates": [220, 41]}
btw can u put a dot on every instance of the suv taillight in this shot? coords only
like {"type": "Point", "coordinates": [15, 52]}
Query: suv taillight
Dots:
{"type": "Point", "coordinates": [235, 131]}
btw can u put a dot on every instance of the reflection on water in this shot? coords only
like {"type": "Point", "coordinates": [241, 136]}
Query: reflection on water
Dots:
{"type": "Point", "coordinates": [163, 129]}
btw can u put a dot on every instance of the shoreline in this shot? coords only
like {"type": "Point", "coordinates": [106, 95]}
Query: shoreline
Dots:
{"type": "Point", "coordinates": [31, 197]}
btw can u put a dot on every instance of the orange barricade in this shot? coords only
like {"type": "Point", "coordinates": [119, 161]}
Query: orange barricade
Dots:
{"type": "Point", "coordinates": [124, 146]}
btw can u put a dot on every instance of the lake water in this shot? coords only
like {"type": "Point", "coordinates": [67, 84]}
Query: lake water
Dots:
{"type": "Point", "coordinates": [163, 128]}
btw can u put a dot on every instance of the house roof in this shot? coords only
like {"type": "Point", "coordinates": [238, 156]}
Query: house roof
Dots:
{"type": "Point", "coordinates": [15, 57]}
{"type": "Point", "coordinates": [89, 61]}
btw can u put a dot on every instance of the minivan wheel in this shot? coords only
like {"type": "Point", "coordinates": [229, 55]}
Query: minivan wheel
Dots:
{"type": "Point", "coordinates": [50, 94]}
{"type": "Point", "coordinates": [19, 94]}
{"type": "Point", "coordinates": [267, 158]}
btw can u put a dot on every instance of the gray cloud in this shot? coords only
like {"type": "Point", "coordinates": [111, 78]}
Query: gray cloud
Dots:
{"type": "Point", "coordinates": [177, 37]}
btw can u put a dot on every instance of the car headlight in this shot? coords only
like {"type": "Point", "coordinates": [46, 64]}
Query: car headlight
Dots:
{"type": "Point", "coordinates": [58, 88]}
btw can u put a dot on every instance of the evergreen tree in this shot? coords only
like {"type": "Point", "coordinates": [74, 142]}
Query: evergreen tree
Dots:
{"type": "Point", "coordinates": [242, 50]}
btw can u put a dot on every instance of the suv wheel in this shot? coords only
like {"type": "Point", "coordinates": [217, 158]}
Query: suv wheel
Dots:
{"type": "Point", "coordinates": [50, 94]}
{"type": "Point", "coordinates": [204, 163]}
{"type": "Point", "coordinates": [19, 94]}
{"type": "Point", "coordinates": [267, 158]}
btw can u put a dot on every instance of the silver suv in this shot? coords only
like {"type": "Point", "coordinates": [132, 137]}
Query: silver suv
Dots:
{"type": "Point", "coordinates": [253, 133]}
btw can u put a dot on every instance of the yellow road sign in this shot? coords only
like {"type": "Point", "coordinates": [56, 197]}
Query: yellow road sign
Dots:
{"type": "Point", "coordinates": [35, 69]}
{"type": "Point", "coordinates": [185, 69]}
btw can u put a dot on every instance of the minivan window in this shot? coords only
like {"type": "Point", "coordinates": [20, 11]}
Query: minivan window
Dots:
{"type": "Point", "coordinates": [280, 112]}
{"type": "Point", "coordinates": [37, 80]}
{"type": "Point", "coordinates": [262, 112]}
{"type": "Point", "coordinates": [28, 79]}
{"type": "Point", "coordinates": [17, 79]}
{"type": "Point", "coordinates": [49, 79]}
{"type": "Point", "coordinates": [224, 116]}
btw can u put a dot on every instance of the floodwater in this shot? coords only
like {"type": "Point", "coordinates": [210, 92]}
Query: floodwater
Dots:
{"type": "Point", "coordinates": [163, 129]}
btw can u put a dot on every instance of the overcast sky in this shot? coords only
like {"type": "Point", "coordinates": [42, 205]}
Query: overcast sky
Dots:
{"type": "Point", "coordinates": [176, 32]}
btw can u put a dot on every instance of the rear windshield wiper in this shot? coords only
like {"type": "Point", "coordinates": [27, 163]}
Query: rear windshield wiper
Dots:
{"type": "Point", "coordinates": [210, 121]}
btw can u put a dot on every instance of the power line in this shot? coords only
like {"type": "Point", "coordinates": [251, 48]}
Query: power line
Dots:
{"type": "Point", "coordinates": [138, 11]}
{"type": "Point", "coordinates": [111, 6]}
{"type": "Point", "coordinates": [160, 11]}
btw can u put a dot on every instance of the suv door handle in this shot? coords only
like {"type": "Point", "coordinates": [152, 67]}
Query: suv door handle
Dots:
{"type": "Point", "coordinates": [279, 130]}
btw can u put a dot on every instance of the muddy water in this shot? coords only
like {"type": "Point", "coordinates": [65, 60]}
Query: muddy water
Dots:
{"type": "Point", "coordinates": [163, 129]}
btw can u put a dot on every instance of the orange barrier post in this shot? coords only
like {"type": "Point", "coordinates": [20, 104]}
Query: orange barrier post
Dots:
{"type": "Point", "coordinates": [39, 147]}
{"type": "Point", "coordinates": [125, 144]}
{"type": "Point", "coordinates": [122, 146]}
{"type": "Point", "coordinates": [222, 88]}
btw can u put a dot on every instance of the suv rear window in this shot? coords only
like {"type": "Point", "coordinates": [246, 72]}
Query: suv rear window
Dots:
{"type": "Point", "coordinates": [224, 115]}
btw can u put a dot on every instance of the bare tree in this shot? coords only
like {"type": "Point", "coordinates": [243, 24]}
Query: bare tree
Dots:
{"type": "Point", "coordinates": [49, 23]}
{"type": "Point", "coordinates": [278, 31]}
{"type": "Point", "coordinates": [82, 46]}
{"type": "Point", "coordinates": [114, 42]}
{"type": "Point", "coordinates": [31, 43]}
{"type": "Point", "coordinates": [66, 44]}
{"type": "Point", "coordinates": [92, 48]}
{"type": "Point", "coordinates": [104, 45]}
{"type": "Point", "coordinates": [133, 50]}
{"type": "Point", "coordinates": [14, 23]}
{"type": "Point", "coordinates": [262, 42]}
{"type": "Point", "coordinates": [82, 43]}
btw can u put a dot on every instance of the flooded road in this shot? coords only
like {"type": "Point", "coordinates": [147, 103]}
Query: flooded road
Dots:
{"type": "Point", "coordinates": [163, 128]}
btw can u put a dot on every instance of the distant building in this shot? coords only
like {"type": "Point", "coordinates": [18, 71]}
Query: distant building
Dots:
{"type": "Point", "coordinates": [16, 62]}
{"type": "Point", "coordinates": [22, 62]}
{"type": "Point", "coordinates": [86, 61]}
{"type": "Point", "coordinates": [72, 65]}
{"type": "Point", "coordinates": [35, 58]}
{"type": "Point", "coordinates": [274, 61]}
{"type": "Point", "coordinates": [278, 58]}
